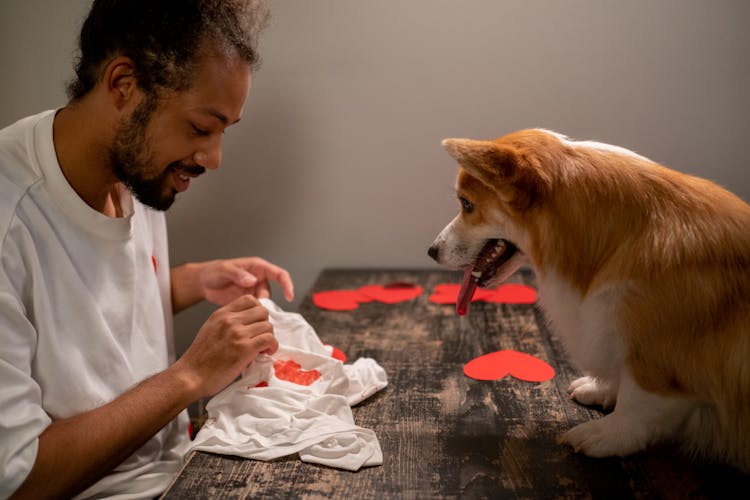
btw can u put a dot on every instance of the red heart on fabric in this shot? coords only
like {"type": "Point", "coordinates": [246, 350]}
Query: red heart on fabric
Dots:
{"type": "Point", "coordinates": [498, 364]}
{"type": "Point", "coordinates": [510, 293]}
{"type": "Point", "coordinates": [391, 294]}
{"type": "Point", "coordinates": [338, 354]}
{"type": "Point", "coordinates": [292, 372]}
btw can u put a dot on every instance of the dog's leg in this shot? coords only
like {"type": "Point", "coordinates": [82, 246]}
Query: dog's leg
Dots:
{"type": "Point", "coordinates": [639, 419]}
{"type": "Point", "coordinates": [591, 391]}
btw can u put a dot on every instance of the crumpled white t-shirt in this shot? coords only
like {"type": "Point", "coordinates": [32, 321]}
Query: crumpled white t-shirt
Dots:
{"type": "Point", "coordinates": [263, 417]}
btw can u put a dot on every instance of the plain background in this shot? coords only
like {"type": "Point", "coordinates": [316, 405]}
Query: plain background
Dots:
{"type": "Point", "coordinates": [337, 161]}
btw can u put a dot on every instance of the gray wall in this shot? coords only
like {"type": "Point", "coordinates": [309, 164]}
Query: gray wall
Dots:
{"type": "Point", "coordinates": [337, 161]}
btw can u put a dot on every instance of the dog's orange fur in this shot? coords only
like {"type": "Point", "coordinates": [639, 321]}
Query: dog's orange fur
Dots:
{"type": "Point", "coordinates": [679, 247]}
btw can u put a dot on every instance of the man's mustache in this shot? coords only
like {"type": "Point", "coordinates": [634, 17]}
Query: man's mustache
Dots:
{"type": "Point", "coordinates": [191, 170]}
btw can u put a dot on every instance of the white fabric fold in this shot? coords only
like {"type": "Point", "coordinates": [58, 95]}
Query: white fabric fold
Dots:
{"type": "Point", "coordinates": [263, 417]}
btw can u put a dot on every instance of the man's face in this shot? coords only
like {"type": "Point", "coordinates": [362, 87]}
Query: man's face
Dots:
{"type": "Point", "coordinates": [168, 140]}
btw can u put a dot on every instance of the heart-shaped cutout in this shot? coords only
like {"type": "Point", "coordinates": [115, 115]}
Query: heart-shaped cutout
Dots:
{"type": "Point", "coordinates": [445, 293]}
{"type": "Point", "coordinates": [339, 300]}
{"type": "Point", "coordinates": [391, 294]}
{"type": "Point", "coordinates": [510, 293]}
{"type": "Point", "coordinates": [292, 372]}
{"type": "Point", "coordinates": [498, 364]}
{"type": "Point", "coordinates": [347, 300]}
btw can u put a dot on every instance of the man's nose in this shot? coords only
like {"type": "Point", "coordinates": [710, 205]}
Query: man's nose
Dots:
{"type": "Point", "coordinates": [210, 155]}
{"type": "Point", "coordinates": [433, 252]}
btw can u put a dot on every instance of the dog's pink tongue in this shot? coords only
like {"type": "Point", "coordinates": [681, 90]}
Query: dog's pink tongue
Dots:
{"type": "Point", "coordinates": [466, 292]}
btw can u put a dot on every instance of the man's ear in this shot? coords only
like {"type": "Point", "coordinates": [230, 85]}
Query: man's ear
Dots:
{"type": "Point", "coordinates": [120, 81]}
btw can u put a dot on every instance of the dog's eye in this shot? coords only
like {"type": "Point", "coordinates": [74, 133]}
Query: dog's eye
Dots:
{"type": "Point", "coordinates": [467, 206]}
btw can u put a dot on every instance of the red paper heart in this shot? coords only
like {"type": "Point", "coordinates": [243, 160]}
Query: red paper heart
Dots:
{"type": "Point", "coordinates": [347, 300]}
{"type": "Point", "coordinates": [391, 294]}
{"type": "Point", "coordinates": [339, 300]}
{"type": "Point", "coordinates": [292, 372]}
{"type": "Point", "coordinates": [445, 293]}
{"type": "Point", "coordinates": [400, 284]}
{"type": "Point", "coordinates": [510, 293]}
{"type": "Point", "coordinates": [496, 365]}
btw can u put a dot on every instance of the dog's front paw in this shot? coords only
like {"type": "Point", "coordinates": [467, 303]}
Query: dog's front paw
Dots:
{"type": "Point", "coordinates": [589, 391]}
{"type": "Point", "coordinates": [603, 437]}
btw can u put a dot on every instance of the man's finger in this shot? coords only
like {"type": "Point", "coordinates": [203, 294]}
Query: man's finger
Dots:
{"type": "Point", "coordinates": [263, 291]}
{"type": "Point", "coordinates": [282, 277]}
{"type": "Point", "coordinates": [242, 303]}
{"type": "Point", "coordinates": [264, 269]}
{"type": "Point", "coordinates": [287, 286]}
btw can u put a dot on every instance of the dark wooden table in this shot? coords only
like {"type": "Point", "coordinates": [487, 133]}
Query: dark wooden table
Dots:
{"type": "Point", "coordinates": [444, 435]}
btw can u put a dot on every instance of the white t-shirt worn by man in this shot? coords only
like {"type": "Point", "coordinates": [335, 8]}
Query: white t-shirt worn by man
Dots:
{"type": "Point", "coordinates": [85, 312]}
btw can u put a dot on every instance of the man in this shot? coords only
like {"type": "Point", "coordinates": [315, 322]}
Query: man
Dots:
{"type": "Point", "coordinates": [92, 401]}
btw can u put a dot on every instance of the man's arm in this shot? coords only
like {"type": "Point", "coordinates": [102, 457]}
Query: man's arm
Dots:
{"type": "Point", "coordinates": [186, 286]}
{"type": "Point", "coordinates": [76, 452]}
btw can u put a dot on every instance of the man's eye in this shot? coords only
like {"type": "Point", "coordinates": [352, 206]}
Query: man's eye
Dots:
{"type": "Point", "coordinates": [467, 206]}
{"type": "Point", "coordinates": [200, 131]}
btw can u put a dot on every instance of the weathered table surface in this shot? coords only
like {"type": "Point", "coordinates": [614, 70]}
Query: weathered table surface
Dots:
{"type": "Point", "coordinates": [444, 435]}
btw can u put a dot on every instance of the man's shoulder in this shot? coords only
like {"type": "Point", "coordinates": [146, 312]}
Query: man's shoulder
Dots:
{"type": "Point", "coordinates": [18, 166]}
{"type": "Point", "coordinates": [18, 144]}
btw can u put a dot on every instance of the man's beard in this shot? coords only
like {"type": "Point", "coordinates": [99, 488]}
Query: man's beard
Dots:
{"type": "Point", "coordinates": [133, 162]}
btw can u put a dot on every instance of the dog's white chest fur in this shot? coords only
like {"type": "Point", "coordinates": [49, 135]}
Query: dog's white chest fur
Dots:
{"type": "Point", "coordinates": [587, 325]}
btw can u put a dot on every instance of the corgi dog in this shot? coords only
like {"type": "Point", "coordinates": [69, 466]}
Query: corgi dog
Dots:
{"type": "Point", "coordinates": [642, 272]}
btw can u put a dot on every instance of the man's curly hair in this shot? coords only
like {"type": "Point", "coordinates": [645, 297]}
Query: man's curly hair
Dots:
{"type": "Point", "coordinates": [164, 38]}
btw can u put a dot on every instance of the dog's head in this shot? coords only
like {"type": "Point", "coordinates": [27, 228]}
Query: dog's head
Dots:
{"type": "Point", "coordinates": [499, 186]}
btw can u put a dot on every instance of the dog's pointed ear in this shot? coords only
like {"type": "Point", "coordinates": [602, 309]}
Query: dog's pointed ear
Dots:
{"type": "Point", "coordinates": [502, 168]}
{"type": "Point", "coordinates": [484, 160]}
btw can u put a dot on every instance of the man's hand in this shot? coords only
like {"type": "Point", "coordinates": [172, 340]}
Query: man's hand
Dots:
{"type": "Point", "coordinates": [223, 281]}
{"type": "Point", "coordinates": [228, 341]}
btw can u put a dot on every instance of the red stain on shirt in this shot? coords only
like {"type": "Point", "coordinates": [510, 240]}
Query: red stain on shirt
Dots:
{"type": "Point", "coordinates": [292, 372]}
{"type": "Point", "coordinates": [338, 354]}
{"type": "Point", "coordinates": [153, 261]}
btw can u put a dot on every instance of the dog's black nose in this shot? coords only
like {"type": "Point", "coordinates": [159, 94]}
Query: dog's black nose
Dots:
{"type": "Point", "coordinates": [433, 252]}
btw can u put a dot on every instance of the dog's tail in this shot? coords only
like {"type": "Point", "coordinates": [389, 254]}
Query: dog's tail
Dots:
{"type": "Point", "coordinates": [720, 435]}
